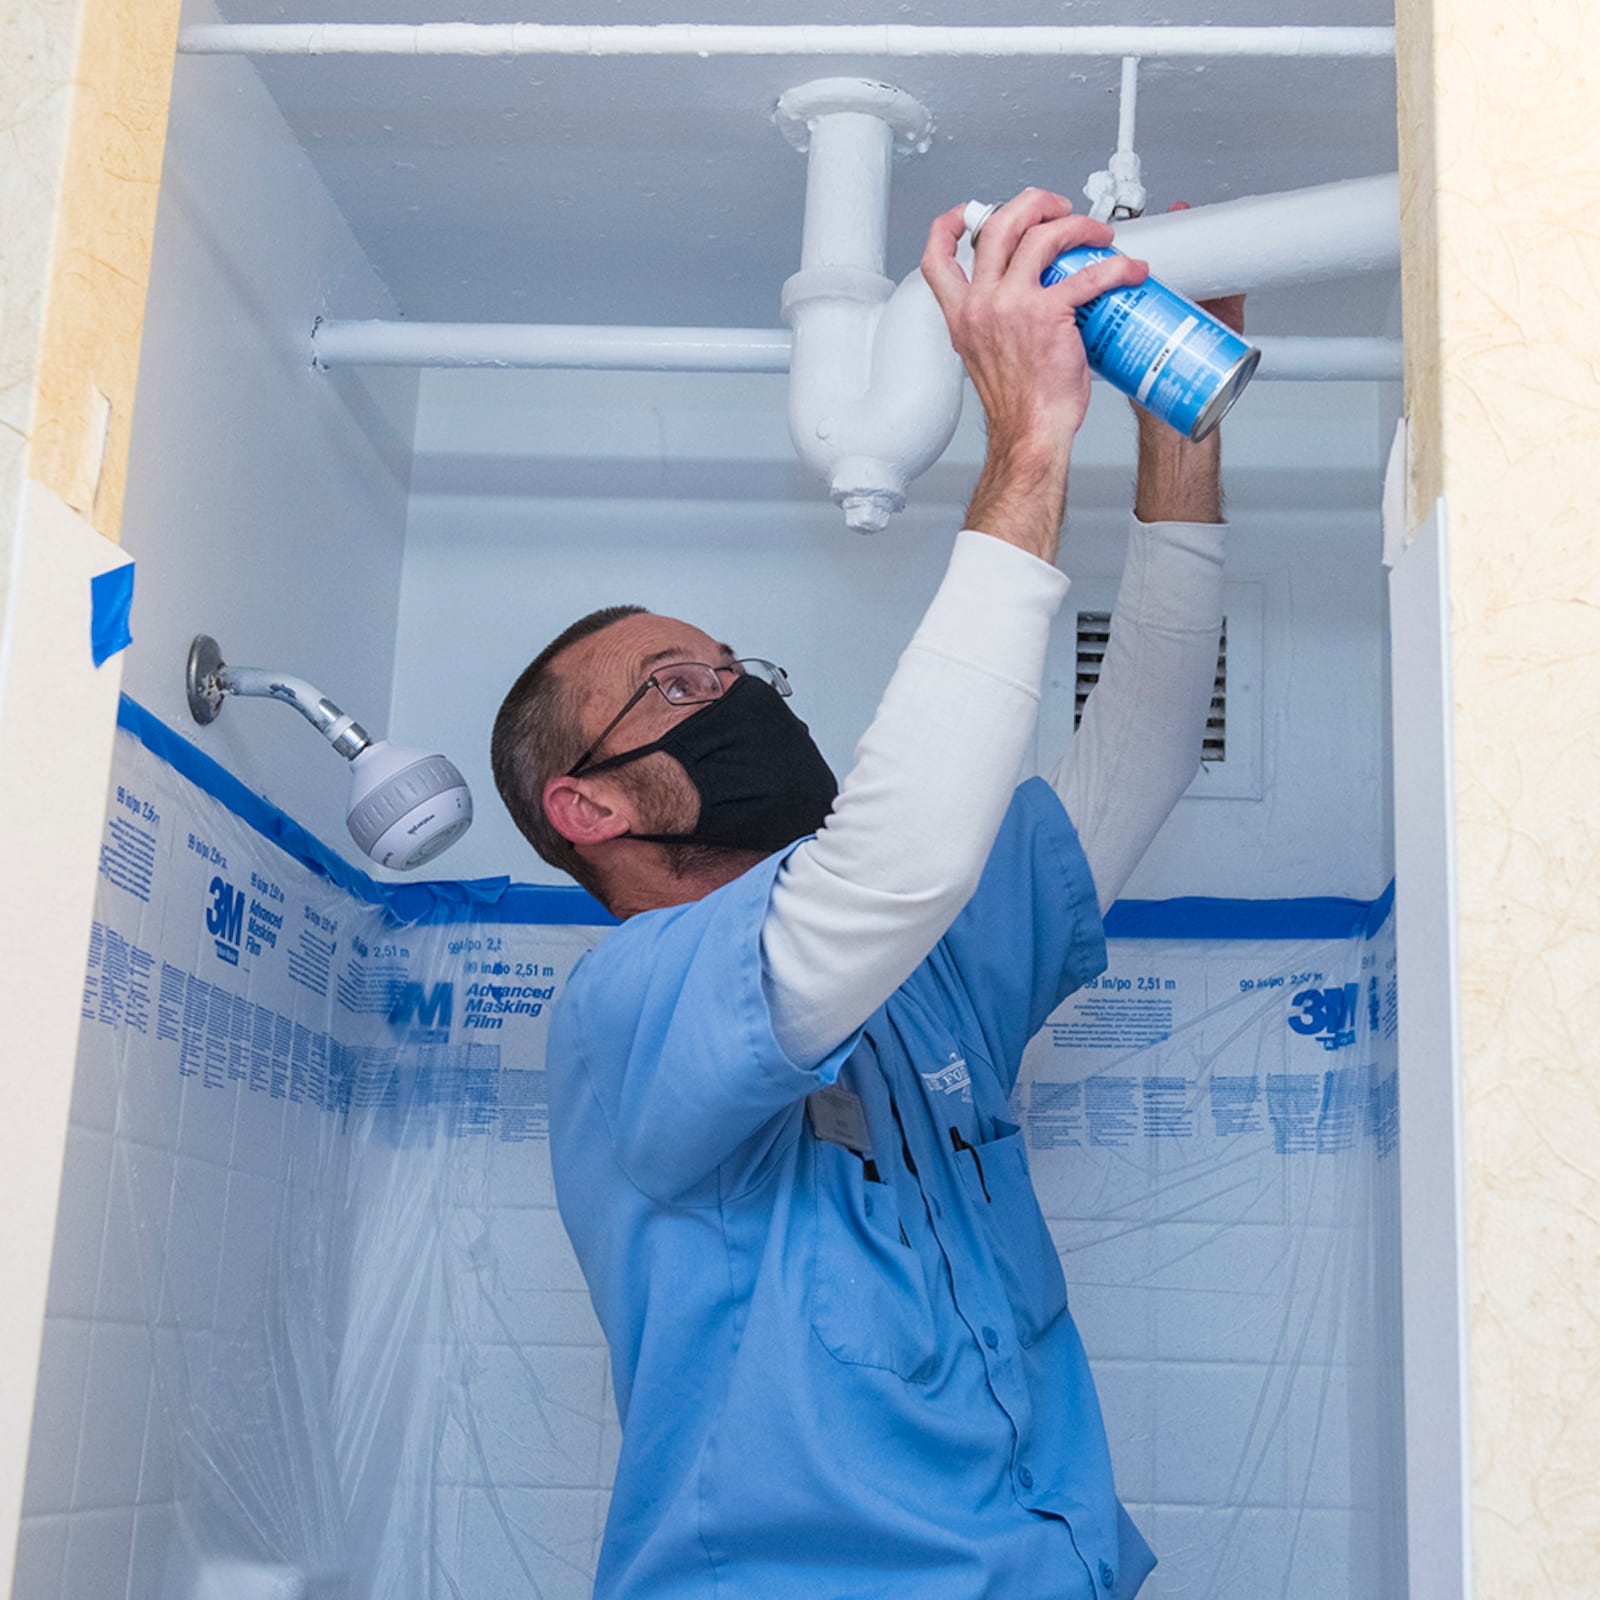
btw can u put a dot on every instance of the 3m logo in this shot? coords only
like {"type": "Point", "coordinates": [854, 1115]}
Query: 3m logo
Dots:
{"type": "Point", "coordinates": [225, 919]}
{"type": "Point", "coordinates": [1329, 1015]}
{"type": "Point", "coordinates": [431, 1011]}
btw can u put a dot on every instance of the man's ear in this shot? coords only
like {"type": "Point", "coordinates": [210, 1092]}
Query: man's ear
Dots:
{"type": "Point", "coordinates": [581, 812]}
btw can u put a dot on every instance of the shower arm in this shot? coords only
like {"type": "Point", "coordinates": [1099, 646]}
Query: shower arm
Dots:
{"type": "Point", "coordinates": [210, 680]}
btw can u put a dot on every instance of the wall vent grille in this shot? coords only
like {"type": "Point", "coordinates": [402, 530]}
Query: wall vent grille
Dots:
{"type": "Point", "coordinates": [1094, 629]}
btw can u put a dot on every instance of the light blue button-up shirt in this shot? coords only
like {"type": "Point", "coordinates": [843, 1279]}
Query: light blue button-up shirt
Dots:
{"type": "Point", "coordinates": [841, 1372]}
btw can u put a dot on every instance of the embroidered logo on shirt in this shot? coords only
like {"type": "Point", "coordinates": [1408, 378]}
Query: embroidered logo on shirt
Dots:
{"type": "Point", "coordinates": [950, 1079]}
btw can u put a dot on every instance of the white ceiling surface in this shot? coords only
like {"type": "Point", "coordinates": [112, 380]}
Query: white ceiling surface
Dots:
{"type": "Point", "coordinates": [657, 191]}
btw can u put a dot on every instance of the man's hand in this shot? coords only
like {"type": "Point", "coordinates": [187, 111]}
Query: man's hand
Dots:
{"type": "Point", "coordinates": [1180, 481]}
{"type": "Point", "coordinates": [1022, 351]}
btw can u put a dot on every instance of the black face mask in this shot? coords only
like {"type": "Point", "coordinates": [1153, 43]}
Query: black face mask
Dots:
{"type": "Point", "coordinates": [763, 783]}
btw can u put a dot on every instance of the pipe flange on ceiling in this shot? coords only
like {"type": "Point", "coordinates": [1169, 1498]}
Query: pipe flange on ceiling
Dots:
{"type": "Point", "coordinates": [800, 108]}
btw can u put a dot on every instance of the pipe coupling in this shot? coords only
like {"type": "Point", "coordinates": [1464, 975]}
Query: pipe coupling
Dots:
{"type": "Point", "coordinates": [847, 284]}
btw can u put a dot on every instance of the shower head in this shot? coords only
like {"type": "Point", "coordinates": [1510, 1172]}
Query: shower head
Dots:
{"type": "Point", "coordinates": [406, 806]}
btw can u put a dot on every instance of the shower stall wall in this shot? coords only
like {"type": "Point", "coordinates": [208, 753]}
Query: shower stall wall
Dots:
{"type": "Point", "coordinates": [314, 1329]}
{"type": "Point", "coordinates": [338, 1344]}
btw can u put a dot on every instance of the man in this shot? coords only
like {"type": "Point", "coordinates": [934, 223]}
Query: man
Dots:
{"type": "Point", "coordinates": [838, 1326]}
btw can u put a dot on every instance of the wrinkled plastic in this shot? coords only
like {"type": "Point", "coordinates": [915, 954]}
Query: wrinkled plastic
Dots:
{"type": "Point", "coordinates": [376, 1364]}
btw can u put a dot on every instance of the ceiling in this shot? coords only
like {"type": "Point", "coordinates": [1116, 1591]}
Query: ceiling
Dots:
{"type": "Point", "coordinates": [658, 190]}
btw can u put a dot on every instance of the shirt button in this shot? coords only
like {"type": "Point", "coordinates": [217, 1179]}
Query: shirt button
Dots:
{"type": "Point", "coordinates": [1025, 1478]}
{"type": "Point", "coordinates": [869, 1205]}
{"type": "Point", "coordinates": [1108, 1579]}
{"type": "Point", "coordinates": [991, 1338]}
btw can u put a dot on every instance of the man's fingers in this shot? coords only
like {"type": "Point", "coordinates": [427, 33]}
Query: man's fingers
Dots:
{"type": "Point", "coordinates": [1041, 244]}
{"type": "Point", "coordinates": [998, 241]}
{"type": "Point", "coordinates": [1115, 272]}
{"type": "Point", "coordinates": [939, 268]}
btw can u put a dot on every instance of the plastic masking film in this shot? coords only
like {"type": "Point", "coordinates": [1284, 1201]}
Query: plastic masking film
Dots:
{"type": "Point", "coordinates": [375, 1359]}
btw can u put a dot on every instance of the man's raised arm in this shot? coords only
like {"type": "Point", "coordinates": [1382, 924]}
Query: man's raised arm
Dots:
{"type": "Point", "coordinates": [1138, 746]}
{"type": "Point", "coordinates": [856, 909]}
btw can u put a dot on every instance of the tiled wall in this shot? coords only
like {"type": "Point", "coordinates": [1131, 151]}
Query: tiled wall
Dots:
{"type": "Point", "coordinates": [127, 1313]}
{"type": "Point", "coordinates": [1232, 1347]}
{"type": "Point", "coordinates": [530, 1447]}
{"type": "Point", "coordinates": [97, 1509]}
{"type": "Point", "coordinates": [323, 1320]}
{"type": "Point", "coordinates": [1238, 1291]}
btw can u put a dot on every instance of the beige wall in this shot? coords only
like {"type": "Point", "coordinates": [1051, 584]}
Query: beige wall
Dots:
{"type": "Point", "coordinates": [83, 98]}
{"type": "Point", "coordinates": [1501, 137]}
{"type": "Point", "coordinates": [36, 40]}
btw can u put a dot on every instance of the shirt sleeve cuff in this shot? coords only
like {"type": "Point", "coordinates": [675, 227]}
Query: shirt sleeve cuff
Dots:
{"type": "Point", "coordinates": [1203, 527]}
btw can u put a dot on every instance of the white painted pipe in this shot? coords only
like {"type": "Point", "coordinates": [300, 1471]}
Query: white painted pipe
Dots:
{"type": "Point", "coordinates": [1337, 359]}
{"type": "Point", "coordinates": [1267, 240]}
{"type": "Point", "coordinates": [1127, 106]}
{"type": "Point", "coordinates": [847, 212]}
{"type": "Point", "coordinates": [601, 348]}
{"type": "Point", "coordinates": [874, 386]}
{"type": "Point", "coordinates": [510, 344]}
{"type": "Point", "coordinates": [712, 39]}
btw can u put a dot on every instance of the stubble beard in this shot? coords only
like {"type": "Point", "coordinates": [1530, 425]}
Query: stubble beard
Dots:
{"type": "Point", "coordinates": [670, 803]}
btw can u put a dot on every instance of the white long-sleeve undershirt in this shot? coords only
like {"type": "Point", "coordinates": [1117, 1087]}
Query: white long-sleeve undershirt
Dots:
{"type": "Point", "coordinates": [855, 910]}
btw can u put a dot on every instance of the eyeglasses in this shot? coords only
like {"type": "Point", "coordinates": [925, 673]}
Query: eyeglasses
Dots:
{"type": "Point", "coordinates": [689, 683]}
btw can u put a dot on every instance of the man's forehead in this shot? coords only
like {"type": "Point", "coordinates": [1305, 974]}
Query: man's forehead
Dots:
{"type": "Point", "coordinates": [634, 646]}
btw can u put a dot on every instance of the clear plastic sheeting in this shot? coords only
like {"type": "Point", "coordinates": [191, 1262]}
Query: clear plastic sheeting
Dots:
{"type": "Point", "coordinates": [1213, 1129]}
{"type": "Point", "coordinates": [376, 1371]}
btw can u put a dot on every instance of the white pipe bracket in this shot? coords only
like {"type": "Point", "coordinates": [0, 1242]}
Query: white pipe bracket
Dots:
{"type": "Point", "coordinates": [1118, 193]}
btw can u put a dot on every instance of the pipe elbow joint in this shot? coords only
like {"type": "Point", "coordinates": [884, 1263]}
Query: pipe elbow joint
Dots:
{"type": "Point", "coordinates": [875, 394]}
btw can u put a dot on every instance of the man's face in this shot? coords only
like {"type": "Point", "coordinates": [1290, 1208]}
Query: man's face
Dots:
{"type": "Point", "coordinates": [603, 672]}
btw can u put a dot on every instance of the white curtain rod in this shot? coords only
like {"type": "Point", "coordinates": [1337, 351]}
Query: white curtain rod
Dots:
{"type": "Point", "coordinates": [707, 39]}
{"type": "Point", "coordinates": [605, 348]}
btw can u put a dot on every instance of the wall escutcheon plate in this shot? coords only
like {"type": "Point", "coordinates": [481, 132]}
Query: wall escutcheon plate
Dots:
{"type": "Point", "coordinates": [200, 679]}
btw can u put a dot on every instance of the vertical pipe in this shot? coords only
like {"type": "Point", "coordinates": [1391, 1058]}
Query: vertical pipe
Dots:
{"type": "Point", "coordinates": [847, 192]}
{"type": "Point", "coordinates": [1127, 108]}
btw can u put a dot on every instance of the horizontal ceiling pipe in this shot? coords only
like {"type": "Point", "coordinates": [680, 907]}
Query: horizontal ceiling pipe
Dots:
{"type": "Point", "coordinates": [603, 348]}
{"type": "Point", "coordinates": [1330, 359]}
{"type": "Point", "coordinates": [716, 39]}
{"type": "Point", "coordinates": [1266, 241]}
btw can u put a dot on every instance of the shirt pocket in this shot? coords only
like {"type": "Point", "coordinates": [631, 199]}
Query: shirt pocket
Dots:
{"type": "Point", "coordinates": [1001, 1189]}
{"type": "Point", "coordinates": [869, 1298]}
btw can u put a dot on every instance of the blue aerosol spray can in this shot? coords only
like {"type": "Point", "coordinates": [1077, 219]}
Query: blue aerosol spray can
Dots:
{"type": "Point", "coordinates": [1158, 348]}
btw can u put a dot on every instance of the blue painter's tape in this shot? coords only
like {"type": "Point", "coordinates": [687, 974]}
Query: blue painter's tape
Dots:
{"type": "Point", "coordinates": [111, 604]}
{"type": "Point", "coordinates": [1196, 918]}
{"type": "Point", "coordinates": [1379, 911]}
{"type": "Point", "coordinates": [500, 900]}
